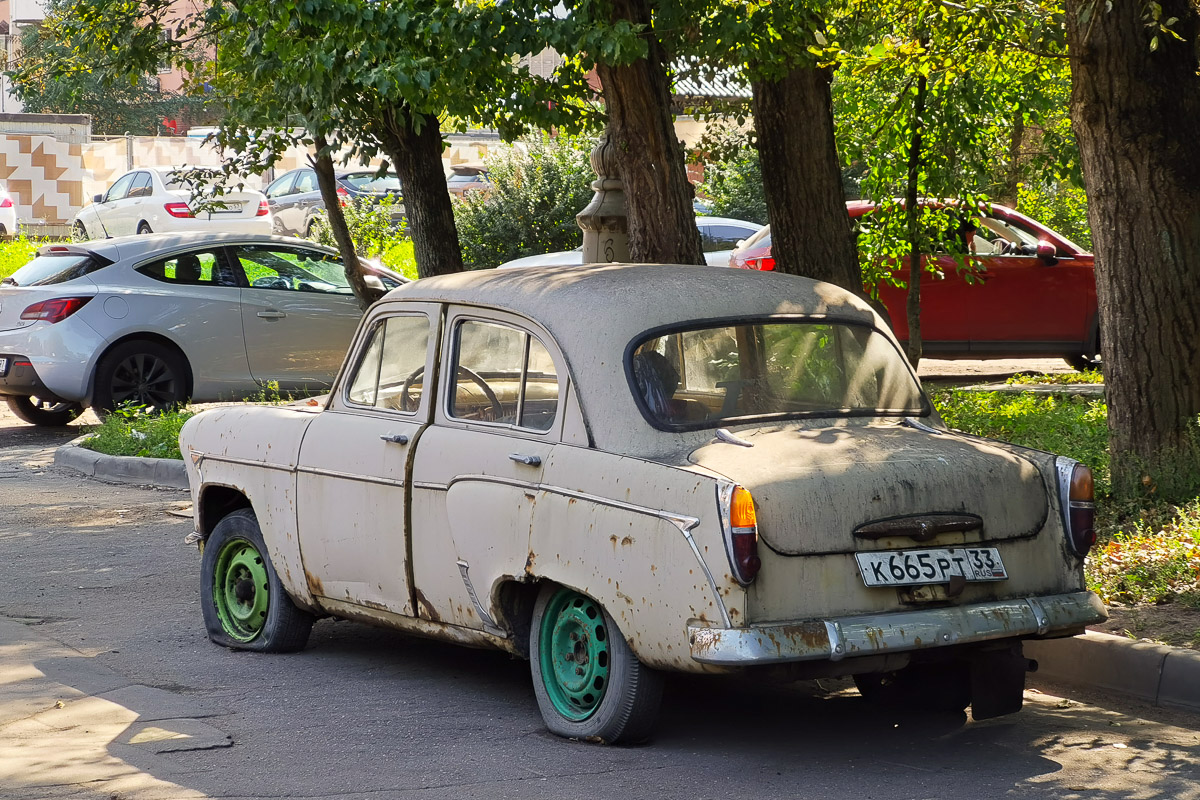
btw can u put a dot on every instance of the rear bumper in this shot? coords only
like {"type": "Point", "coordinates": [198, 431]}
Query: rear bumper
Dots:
{"type": "Point", "coordinates": [19, 378]}
{"type": "Point", "coordinates": [875, 634]}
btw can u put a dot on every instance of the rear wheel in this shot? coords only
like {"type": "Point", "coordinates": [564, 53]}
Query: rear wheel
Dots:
{"type": "Point", "coordinates": [43, 411]}
{"type": "Point", "coordinates": [1084, 362]}
{"type": "Point", "coordinates": [589, 684]}
{"type": "Point", "coordinates": [79, 232]}
{"type": "Point", "coordinates": [143, 228]}
{"type": "Point", "coordinates": [243, 602]}
{"type": "Point", "coordinates": [140, 374]}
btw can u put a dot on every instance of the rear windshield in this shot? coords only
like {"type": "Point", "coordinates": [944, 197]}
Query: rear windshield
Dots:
{"type": "Point", "coordinates": [369, 182]}
{"type": "Point", "coordinates": [761, 238]}
{"type": "Point", "coordinates": [776, 369]}
{"type": "Point", "coordinates": [52, 269]}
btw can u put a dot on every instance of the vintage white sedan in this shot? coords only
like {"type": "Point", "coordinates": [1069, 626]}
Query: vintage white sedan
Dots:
{"type": "Point", "coordinates": [622, 471]}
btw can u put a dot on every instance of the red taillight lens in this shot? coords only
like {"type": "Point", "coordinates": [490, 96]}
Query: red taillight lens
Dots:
{"type": "Point", "coordinates": [55, 310]}
{"type": "Point", "coordinates": [1081, 510]}
{"type": "Point", "coordinates": [263, 209]}
{"type": "Point", "coordinates": [343, 196]}
{"type": "Point", "coordinates": [743, 527]}
{"type": "Point", "coordinates": [6, 203]}
{"type": "Point", "coordinates": [180, 210]}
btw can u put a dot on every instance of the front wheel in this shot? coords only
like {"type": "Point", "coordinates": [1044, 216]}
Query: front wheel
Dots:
{"type": "Point", "coordinates": [589, 684]}
{"type": "Point", "coordinates": [244, 604]}
{"type": "Point", "coordinates": [43, 411]}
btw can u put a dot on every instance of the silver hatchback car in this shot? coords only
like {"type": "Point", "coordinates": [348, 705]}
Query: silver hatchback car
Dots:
{"type": "Point", "coordinates": [156, 320]}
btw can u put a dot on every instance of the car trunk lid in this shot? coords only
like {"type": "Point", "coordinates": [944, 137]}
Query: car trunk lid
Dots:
{"type": "Point", "coordinates": [815, 487]}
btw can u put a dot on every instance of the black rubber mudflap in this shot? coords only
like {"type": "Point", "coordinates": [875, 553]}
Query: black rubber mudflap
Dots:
{"type": "Point", "coordinates": [997, 682]}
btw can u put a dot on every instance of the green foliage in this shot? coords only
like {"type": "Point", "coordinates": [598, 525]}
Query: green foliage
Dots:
{"type": "Point", "coordinates": [1154, 557]}
{"type": "Point", "coordinates": [1061, 206]}
{"type": "Point", "coordinates": [1091, 376]}
{"type": "Point", "coordinates": [17, 252]}
{"type": "Point", "coordinates": [733, 182]}
{"type": "Point", "coordinates": [538, 187]}
{"type": "Point", "coordinates": [1066, 425]}
{"type": "Point", "coordinates": [130, 432]}
{"type": "Point", "coordinates": [370, 224]}
{"type": "Point", "coordinates": [399, 256]}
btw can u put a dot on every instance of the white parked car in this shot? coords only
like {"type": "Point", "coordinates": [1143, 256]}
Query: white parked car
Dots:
{"type": "Point", "coordinates": [718, 238]}
{"type": "Point", "coordinates": [8, 215]}
{"type": "Point", "coordinates": [152, 200]}
{"type": "Point", "coordinates": [156, 320]}
{"type": "Point", "coordinates": [640, 469]}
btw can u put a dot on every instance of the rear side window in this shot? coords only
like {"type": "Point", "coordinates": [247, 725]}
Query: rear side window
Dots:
{"type": "Point", "coordinates": [370, 182]}
{"type": "Point", "coordinates": [191, 269]}
{"type": "Point", "coordinates": [51, 269]}
{"type": "Point", "coordinates": [504, 375]}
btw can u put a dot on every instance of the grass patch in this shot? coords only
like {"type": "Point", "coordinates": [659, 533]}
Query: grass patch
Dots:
{"type": "Point", "coordinates": [1145, 554]}
{"type": "Point", "coordinates": [132, 433]}
{"type": "Point", "coordinates": [17, 252]}
{"type": "Point", "coordinates": [1087, 376]}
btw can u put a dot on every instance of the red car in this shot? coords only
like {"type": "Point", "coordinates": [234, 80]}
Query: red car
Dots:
{"type": "Point", "coordinates": [1034, 292]}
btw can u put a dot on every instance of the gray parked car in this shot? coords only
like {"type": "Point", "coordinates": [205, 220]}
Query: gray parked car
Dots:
{"type": "Point", "coordinates": [155, 320]}
{"type": "Point", "coordinates": [295, 200]}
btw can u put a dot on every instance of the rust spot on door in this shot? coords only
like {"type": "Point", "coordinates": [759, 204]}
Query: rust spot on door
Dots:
{"type": "Point", "coordinates": [628, 540]}
{"type": "Point", "coordinates": [424, 609]}
{"type": "Point", "coordinates": [529, 562]}
{"type": "Point", "coordinates": [314, 584]}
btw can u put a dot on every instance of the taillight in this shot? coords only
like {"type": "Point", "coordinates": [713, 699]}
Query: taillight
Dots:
{"type": "Point", "coordinates": [343, 196]}
{"type": "Point", "coordinates": [766, 264]}
{"type": "Point", "coordinates": [1077, 493]}
{"type": "Point", "coordinates": [6, 203]}
{"type": "Point", "coordinates": [55, 310]}
{"type": "Point", "coordinates": [263, 209]}
{"type": "Point", "coordinates": [180, 210]}
{"type": "Point", "coordinates": [741, 526]}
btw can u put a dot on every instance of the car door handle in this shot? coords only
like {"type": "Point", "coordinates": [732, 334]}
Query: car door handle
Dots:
{"type": "Point", "coordinates": [272, 314]}
{"type": "Point", "coordinates": [529, 461]}
{"type": "Point", "coordinates": [395, 438]}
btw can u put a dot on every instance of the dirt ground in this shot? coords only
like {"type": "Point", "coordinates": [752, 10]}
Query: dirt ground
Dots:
{"type": "Point", "coordinates": [1174, 623]}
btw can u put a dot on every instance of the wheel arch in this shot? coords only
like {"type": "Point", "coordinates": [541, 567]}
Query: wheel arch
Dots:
{"type": "Point", "coordinates": [147, 336]}
{"type": "Point", "coordinates": [215, 502]}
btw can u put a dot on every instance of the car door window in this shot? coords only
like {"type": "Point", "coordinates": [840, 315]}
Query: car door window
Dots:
{"type": "Point", "coordinates": [306, 181]}
{"type": "Point", "coordinates": [722, 237]}
{"type": "Point", "coordinates": [119, 189]}
{"type": "Point", "coordinates": [292, 269]}
{"type": "Point", "coordinates": [995, 236]}
{"type": "Point", "coordinates": [203, 268]}
{"type": "Point", "coordinates": [390, 374]}
{"type": "Point", "coordinates": [141, 186]}
{"type": "Point", "coordinates": [281, 186]}
{"type": "Point", "coordinates": [503, 375]}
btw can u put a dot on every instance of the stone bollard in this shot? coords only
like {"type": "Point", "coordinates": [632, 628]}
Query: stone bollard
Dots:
{"type": "Point", "coordinates": [605, 226]}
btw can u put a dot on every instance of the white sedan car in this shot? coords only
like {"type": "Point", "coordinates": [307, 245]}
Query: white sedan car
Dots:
{"type": "Point", "coordinates": [617, 480]}
{"type": "Point", "coordinates": [718, 238]}
{"type": "Point", "coordinates": [155, 320]}
{"type": "Point", "coordinates": [152, 200]}
{"type": "Point", "coordinates": [8, 215]}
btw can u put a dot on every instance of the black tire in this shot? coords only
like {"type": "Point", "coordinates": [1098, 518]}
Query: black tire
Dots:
{"type": "Point", "coordinates": [79, 232]}
{"type": "Point", "coordinates": [142, 374]}
{"type": "Point", "coordinates": [237, 612]}
{"type": "Point", "coordinates": [627, 707]}
{"type": "Point", "coordinates": [1083, 362]}
{"type": "Point", "coordinates": [44, 412]}
{"type": "Point", "coordinates": [939, 688]}
{"type": "Point", "coordinates": [143, 228]}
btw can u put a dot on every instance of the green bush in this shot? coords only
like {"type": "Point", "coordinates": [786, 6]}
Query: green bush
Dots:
{"type": "Point", "coordinates": [733, 184]}
{"type": "Point", "coordinates": [538, 186]}
{"type": "Point", "coordinates": [130, 432]}
{"type": "Point", "coordinates": [17, 252]}
{"type": "Point", "coordinates": [370, 224]}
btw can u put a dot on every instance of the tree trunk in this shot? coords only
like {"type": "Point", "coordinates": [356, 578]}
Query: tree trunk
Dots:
{"type": "Point", "coordinates": [1010, 189]}
{"type": "Point", "coordinates": [1136, 113]}
{"type": "Point", "coordinates": [414, 144]}
{"type": "Point", "coordinates": [802, 181]}
{"type": "Point", "coordinates": [658, 195]}
{"type": "Point", "coordinates": [322, 164]}
{"type": "Point", "coordinates": [912, 214]}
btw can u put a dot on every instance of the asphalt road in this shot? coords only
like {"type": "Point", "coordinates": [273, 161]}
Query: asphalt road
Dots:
{"type": "Point", "coordinates": [109, 690]}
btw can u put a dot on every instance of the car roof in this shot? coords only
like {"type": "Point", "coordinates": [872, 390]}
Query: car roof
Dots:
{"type": "Point", "coordinates": [705, 219]}
{"type": "Point", "coordinates": [123, 248]}
{"type": "Point", "coordinates": [594, 312]}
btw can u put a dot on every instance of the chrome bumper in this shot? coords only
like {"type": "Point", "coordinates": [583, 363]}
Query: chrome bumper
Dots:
{"type": "Point", "coordinates": [842, 637]}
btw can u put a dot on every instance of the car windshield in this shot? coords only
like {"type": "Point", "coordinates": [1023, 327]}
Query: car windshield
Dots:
{"type": "Point", "coordinates": [371, 182]}
{"type": "Point", "coordinates": [46, 270]}
{"type": "Point", "coordinates": [771, 369]}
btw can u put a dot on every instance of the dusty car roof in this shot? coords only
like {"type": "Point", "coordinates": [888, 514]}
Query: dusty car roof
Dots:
{"type": "Point", "coordinates": [595, 311]}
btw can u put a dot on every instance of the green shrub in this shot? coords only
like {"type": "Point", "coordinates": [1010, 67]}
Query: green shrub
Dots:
{"type": "Point", "coordinates": [1092, 376]}
{"type": "Point", "coordinates": [370, 224]}
{"type": "Point", "coordinates": [538, 186]}
{"type": "Point", "coordinates": [130, 432]}
{"type": "Point", "coordinates": [1153, 558]}
{"type": "Point", "coordinates": [1061, 207]}
{"type": "Point", "coordinates": [399, 256]}
{"type": "Point", "coordinates": [17, 252]}
{"type": "Point", "coordinates": [733, 186]}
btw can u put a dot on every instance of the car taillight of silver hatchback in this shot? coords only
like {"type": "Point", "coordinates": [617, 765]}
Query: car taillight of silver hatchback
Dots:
{"type": "Point", "coordinates": [1077, 498]}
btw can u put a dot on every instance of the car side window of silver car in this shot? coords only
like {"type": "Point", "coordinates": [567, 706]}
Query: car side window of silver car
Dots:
{"type": "Point", "coordinates": [281, 186]}
{"type": "Point", "coordinates": [503, 375]}
{"type": "Point", "coordinates": [205, 268]}
{"type": "Point", "coordinates": [306, 181]}
{"type": "Point", "coordinates": [391, 373]}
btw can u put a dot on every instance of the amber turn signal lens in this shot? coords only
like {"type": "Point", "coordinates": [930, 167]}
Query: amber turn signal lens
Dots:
{"type": "Point", "coordinates": [1082, 510]}
{"type": "Point", "coordinates": [741, 510]}
{"type": "Point", "coordinates": [1083, 486]}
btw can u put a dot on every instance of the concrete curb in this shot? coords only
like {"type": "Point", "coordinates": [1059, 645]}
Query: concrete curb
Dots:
{"type": "Point", "coordinates": [1169, 677]}
{"type": "Point", "coordinates": [165, 473]}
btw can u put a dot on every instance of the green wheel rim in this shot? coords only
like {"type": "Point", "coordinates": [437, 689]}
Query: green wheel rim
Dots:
{"type": "Point", "coordinates": [574, 655]}
{"type": "Point", "coordinates": [241, 590]}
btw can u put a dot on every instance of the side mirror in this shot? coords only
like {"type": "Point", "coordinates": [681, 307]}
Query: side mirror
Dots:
{"type": "Point", "coordinates": [373, 282]}
{"type": "Point", "coordinates": [97, 198]}
{"type": "Point", "coordinates": [1047, 253]}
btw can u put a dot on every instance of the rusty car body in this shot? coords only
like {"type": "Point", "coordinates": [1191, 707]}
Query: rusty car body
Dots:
{"type": "Point", "coordinates": [619, 471]}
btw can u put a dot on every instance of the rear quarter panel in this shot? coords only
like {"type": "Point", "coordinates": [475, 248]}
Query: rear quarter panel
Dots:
{"type": "Point", "coordinates": [253, 450]}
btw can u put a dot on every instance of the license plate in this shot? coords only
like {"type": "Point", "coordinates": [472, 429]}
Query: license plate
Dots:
{"type": "Point", "coordinates": [935, 565]}
{"type": "Point", "coordinates": [3, 367]}
{"type": "Point", "coordinates": [229, 208]}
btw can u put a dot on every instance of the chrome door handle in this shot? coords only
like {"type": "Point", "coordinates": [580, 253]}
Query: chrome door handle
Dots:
{"type": "Point", "coordinates": [530, 461]}
{"type": "Point", "coordinates": [395, 438]}
{"type": "Point", "coordinates": [272, 314]}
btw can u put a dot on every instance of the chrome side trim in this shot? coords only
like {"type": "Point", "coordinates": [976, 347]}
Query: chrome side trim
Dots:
{"type": "Point", "coordinates": [433, 487]}
{"type": "Point", "coordinates": [683, 522]}
{"type": "Point", "coordinates": [870, 634]}
{"type": "Point", "coordinates": [330, 473]}
{"type": "Point", "coordinates": [489, 624]}
{"type": "Point", "coordinates": [245, 462]}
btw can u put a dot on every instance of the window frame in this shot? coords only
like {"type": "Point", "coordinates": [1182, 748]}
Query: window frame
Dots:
{"type": "Point", "coordinates": [813, 319]}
